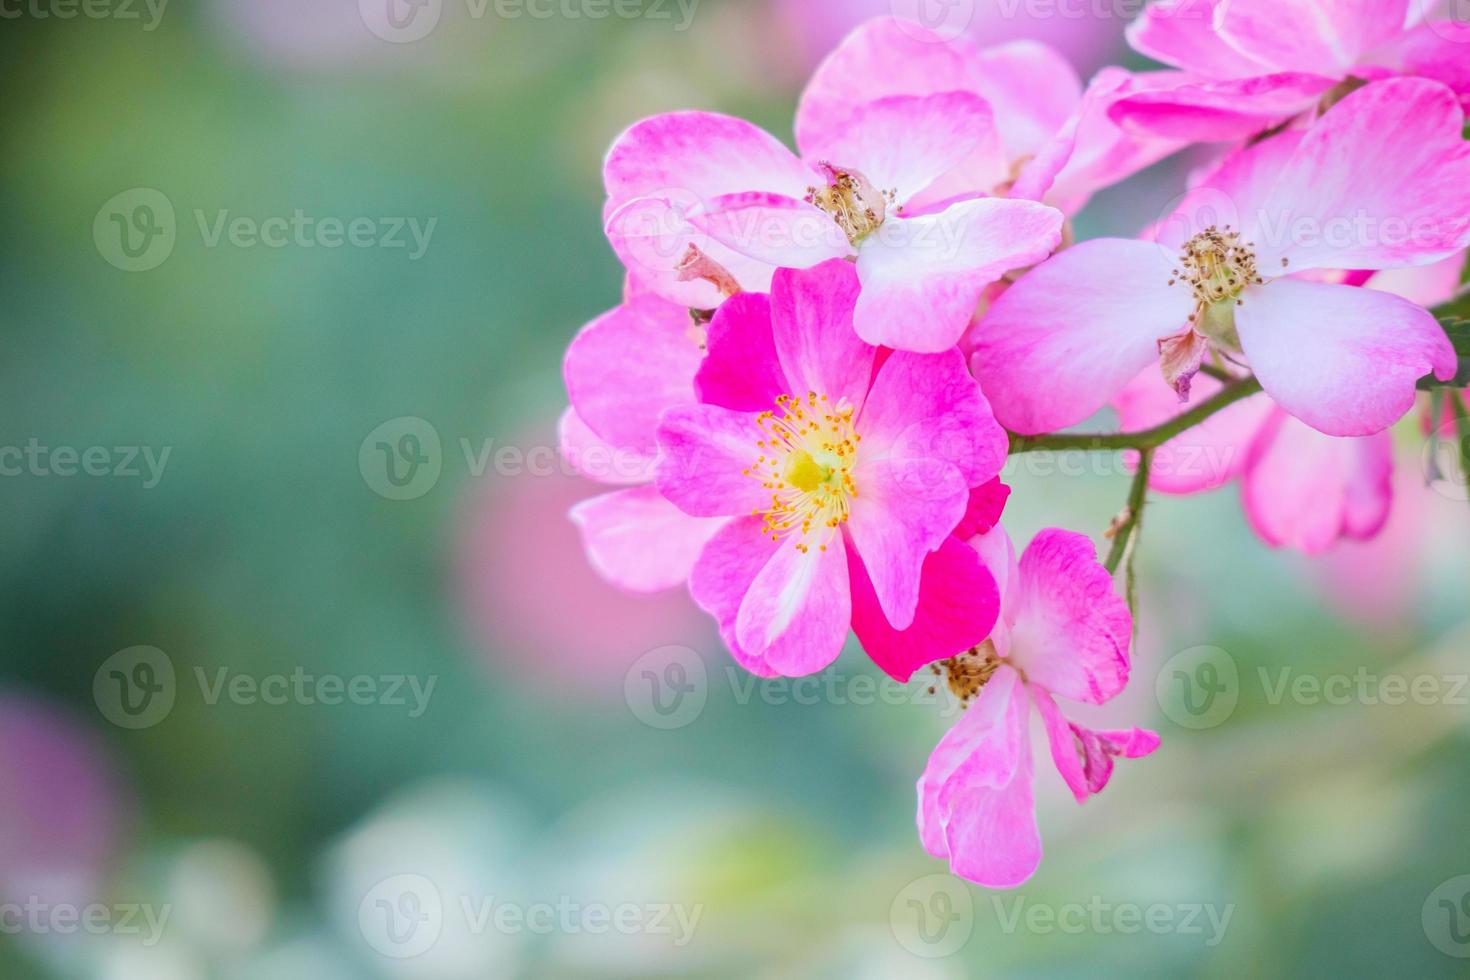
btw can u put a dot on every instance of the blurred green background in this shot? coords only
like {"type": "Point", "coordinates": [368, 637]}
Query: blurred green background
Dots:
{"type": "Point", "coordinates": [503, 747]}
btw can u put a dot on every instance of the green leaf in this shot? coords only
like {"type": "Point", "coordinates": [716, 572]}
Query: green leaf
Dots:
{"type": "Point", "coordinates": [1458, 329]}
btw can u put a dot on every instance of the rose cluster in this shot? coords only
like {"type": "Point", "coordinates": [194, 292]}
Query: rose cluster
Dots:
{"type": "Point", "coordinates": [823, 358]}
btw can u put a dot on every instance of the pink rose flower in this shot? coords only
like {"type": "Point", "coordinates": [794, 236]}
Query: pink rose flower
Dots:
{"type": "Point", "coordinates": [841, 471]}
{"type": "Point", "coordinates": [1254, 63]}
{"type": "Point", "coordinates": [1381, 182]}
{"type": "Point", "coordinates": [1063, 631]}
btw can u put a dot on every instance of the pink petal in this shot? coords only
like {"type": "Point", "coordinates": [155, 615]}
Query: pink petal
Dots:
{"type": "Point", "coordinates": [880, 57]}
{"type": "Point", "coordinates": [928, 406]}
{"type": "Point", "coordinates": [1201, 458]}
{"type": "Point", "coordinates": [1343, 359]}
{"type": "Point", "coordinates": [595, 459]}
{"type": "Point", "coordinates": [652, 235]}
{"type": "Point", "coordinates": [1426, 285]}
{"type": "Point", "coordinates": [980, 729]}
{"type": "Point", "coordinates": [1435, 50]}
{"type": "Point", "coordinates": [958, 605]}
{"type": "Point", "coordinates": [1033, 90]}
{"type": "Point", "coordinates": [627, 366]}
{"type": "Point", "coordinates": [740, 370]}
{"type": "Point", "coordinates": [1101, 153]}
{"type": "Point", "coordinates": [639, 541]}
{"type": "Point", "coordinates": [1305, 490]}
{"type": "Point", "coordinates": [703, 154]}
{"type": "Point", "coordinates": [923, 277]}
{"type": "Point", "coordinates": [903, 143]}
{"type": "Point", "coordinates": [1063, 744]}
{"type": "Point", "coordinates": [1220, 110]}
{"type": "Point", "coordinates": [812, 319]}
{"type": "Point", "coordinates": [774, 230]}
{"type": "Point", "coordinates": [1182, 33]}
{"type": "Point", "coordinates": [904, 509]}
{"type": "Point", "coordinates": [1327, 36]}
{"type": "Point", "coordinates": [707, 456]}
{"type": "Point", "coordinates": [987, 503]}
{"type": "Point", "coordinates": [1071, 631]}
{"type": "Point", "coordinates": [990, 814]}
{"type": "Point", "coordinates": [1382, 180]}
{"type": "Point", "coordinates": [722, 576]}
{"type": "Point", "coordinates": [1057, 345]}
{"type": "Point", "coordinates": [1234, 194]}
{"type": "Point", "coordinates": [798, 610]}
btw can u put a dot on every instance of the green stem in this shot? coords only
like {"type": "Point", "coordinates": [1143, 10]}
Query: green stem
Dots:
{"type": "Point", "coordinates": [1146, 439]}
{"type": "Point", "coordinates": [1133, 516]}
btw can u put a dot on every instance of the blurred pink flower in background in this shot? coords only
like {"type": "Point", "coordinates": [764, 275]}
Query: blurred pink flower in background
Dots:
{"type": "Point", "coordinates": [1088, 40]}
{"type": "Point", "coordinates": [533, 603]}
{"type": "Point", "coordinates": [64, 812]}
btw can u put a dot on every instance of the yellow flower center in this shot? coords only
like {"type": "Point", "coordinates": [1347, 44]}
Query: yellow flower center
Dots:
{"type": "Point", "coordinates": [853, 202]}
{"type": "Point", "coordinates": [806, 462]}
{"type": "Point", "coordinates": [1217, 266]}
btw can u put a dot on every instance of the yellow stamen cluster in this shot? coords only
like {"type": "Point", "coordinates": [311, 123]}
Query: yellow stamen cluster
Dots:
{"type": "Point", "coordinates": [806, 462]}
{"type": "Point", "coordinates": [967, 673]}
{"type": "Point", "coordinates": [854, 203]}
{"type": "Point", "coordinates": [1218, 266]}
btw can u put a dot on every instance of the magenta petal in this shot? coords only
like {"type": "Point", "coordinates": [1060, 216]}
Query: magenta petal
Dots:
{"type": "Point", "coordinates": [1063, 744]}
{"type": "Point", "coordinates": [740, 370]}
{"type": "Point", "coordinates": [923, 276]}
{"type": "Point", "coordinates": [928, 406]}
{"type": "Point", "coordinates": [798, 611]}
{"type": "Point", "coordinates": [1343, 359]}
{"type": "Point", "coordinates": [1306, 490]}
{"type": "Point", "coordinates": [1071, 630]}
{"type": "Point", "coordinates": [639, 541]}
{"type": "Point", "coordinates": [1220, 110]}
{"type": "Point", "coordinates": [987, 503]}
{"type": "Point", "coordinates": [904, 509]}
{"type": "Point", "coordinates": [1057, 345]}
{"type": "Point", "coordinates": [625, 367]}
{"type": "Point", "coordinates": [812, 319]}
{"type": "Point", "coordinates": [722, 576]}
{"type": "Point", "coordinates": [958, 605]}
{"type": "Point", "coordinates": [707, 456]}
{"type": "Point", "coordinates": [1381, 180]}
